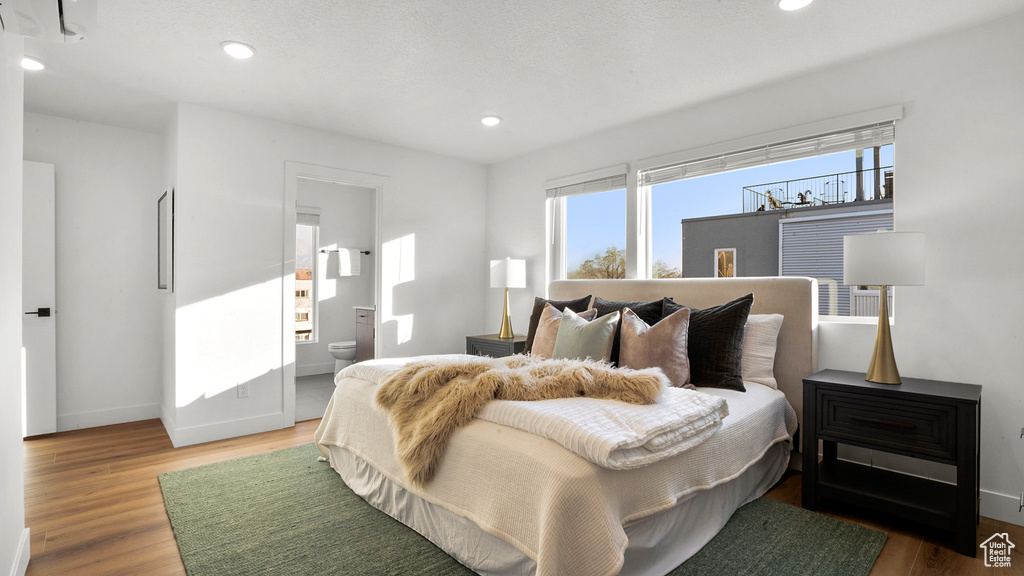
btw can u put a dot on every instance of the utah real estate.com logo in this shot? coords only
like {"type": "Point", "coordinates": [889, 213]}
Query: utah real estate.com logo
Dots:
{"type": "Point", "coordinates": [997, 550]}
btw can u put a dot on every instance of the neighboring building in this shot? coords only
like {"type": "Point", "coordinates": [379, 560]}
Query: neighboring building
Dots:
{"type": "Point", "coordinates": [794, 241]}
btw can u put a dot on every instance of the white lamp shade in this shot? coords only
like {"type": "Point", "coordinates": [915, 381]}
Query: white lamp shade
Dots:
{"type": "Point", "coordinates": [884, 259]}
{"type": "Point", "coordinates": [508, 273]}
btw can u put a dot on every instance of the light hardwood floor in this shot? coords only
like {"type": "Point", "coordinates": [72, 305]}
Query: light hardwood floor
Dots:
{"type": "Point", "coordinates": [94, 505]}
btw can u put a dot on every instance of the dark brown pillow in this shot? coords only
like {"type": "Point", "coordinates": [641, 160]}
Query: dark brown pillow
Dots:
{"type": "Point", "coordinates": [538, 306]}
{"type": "Point", "coordinates": [649, 312]}
{"type": "Point", "coordinates": [715, 342]}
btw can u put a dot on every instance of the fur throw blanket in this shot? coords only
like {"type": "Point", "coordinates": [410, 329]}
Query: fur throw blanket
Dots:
{"type": "Point", "coordinates": [427, 401]}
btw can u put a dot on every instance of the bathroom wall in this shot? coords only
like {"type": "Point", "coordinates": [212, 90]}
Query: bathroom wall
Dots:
{"type": "Point", "coordinates": [347, 220]}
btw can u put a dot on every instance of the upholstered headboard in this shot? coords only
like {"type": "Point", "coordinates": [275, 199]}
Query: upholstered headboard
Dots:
{"type": "Point", "coordinates": [795, 298]}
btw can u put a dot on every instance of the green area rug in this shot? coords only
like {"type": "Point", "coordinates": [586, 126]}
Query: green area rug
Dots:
{"type": "Point", "coordinates": [284, 512]}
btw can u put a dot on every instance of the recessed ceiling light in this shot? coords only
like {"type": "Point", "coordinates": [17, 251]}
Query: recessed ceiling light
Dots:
{"type": "Point", "coordinates": [238, 49]}
{"type": "Point", "coordinates": [792, 4]}
{"type": "Point", "coordinates": [29, 63]}
{"type": "Point", "coordinates": [491, 120]}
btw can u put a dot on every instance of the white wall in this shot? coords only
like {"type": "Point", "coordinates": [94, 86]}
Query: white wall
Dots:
{"type": "Point", "coordinates": [958, 152]}
{"type": "Point", "coordinates": [347, 220]}
{"type": "Point", "coordinates": [230, 262]}
{"type": "Point", "coordinates": [14, 548]}
{"type": "Point", "coordinates": [108, 308]}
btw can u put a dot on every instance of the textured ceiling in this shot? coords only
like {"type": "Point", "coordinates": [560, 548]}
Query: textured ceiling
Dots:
{"type": "Point", "coordinates": [421, 73]}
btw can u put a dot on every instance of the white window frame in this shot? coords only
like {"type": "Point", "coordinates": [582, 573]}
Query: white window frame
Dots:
{"type": "Point", "coordinates": [741, 148]}
{"type": "Point", "coordinates": [591, 182]}
{"type": "Point", "coordinates": [310, 216]}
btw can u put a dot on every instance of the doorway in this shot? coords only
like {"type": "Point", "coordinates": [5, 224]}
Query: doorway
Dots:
{"type": "Point", "coordinates": [332, 254]}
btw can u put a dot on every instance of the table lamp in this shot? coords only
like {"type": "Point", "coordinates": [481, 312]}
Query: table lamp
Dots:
{"type": "Point", "coordinates": [507, 273]}
{"type": "Point", "coordinates": [883, 259]}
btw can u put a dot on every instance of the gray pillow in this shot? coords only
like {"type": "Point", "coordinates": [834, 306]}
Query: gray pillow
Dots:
{"type": "Point", "coordinates": [579, 339]}
{"type": "Point", "coordinates": [578, 305]}
{"type": "Point", "coordinates": [547, 330]}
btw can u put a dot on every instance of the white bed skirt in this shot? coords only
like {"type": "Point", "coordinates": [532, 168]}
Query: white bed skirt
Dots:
{"type": "Point", "coordinates": [656, 544]}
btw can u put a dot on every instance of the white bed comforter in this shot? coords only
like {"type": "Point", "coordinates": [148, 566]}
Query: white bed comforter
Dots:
{"type": "Point", "coordinates": [562, 511]}
{"type": "Point", "coordinates": [610, 434]}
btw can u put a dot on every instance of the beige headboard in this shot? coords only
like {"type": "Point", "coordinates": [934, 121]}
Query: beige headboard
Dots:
{"type": "Point", "coordinates": [795, 298]}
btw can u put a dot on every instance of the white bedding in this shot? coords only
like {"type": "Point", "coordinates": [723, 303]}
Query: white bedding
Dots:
{"type": "Point", "coordinates": [566, 514]}
{"type": "Point", "coordinates": [608, 433]}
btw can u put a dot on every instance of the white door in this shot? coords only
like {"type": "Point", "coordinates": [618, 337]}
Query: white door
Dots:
{"type": "Point", "coordinates": [39, 334]}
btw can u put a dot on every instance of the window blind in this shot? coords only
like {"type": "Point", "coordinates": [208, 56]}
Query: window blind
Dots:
{"type": "Point", "coordinates": [306, 219]}
{"type": "Point", "coordinates": [606, 184]}
{"type": "Point", "coordinates": [863, 137]}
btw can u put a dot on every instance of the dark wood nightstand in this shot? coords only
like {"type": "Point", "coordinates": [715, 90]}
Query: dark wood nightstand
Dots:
{"type": "Point", "coordinates": [926, 419]}
{"type": "Point", "coordinates": [492, 345]}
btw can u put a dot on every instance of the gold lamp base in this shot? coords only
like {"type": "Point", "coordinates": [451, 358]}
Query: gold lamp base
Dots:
{"type": "Point", "coordinates": [883, 362]}
{"type": "Point", "coordinates": [506, 321]}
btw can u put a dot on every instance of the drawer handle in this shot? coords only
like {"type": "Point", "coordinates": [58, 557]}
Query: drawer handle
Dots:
{"type": "Point", "coordinates": [904, 425]}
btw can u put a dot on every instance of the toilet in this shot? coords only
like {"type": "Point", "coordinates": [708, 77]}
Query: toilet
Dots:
{"type": "Point", "coordinates": [344, 353]}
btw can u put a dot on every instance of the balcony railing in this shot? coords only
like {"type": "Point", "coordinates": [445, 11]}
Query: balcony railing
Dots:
{"type": "Point", "coordinates": [818, 190]}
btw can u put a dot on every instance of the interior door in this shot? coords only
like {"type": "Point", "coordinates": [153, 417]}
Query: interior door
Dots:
{"type": "Point", "coordinates": [39, 294]}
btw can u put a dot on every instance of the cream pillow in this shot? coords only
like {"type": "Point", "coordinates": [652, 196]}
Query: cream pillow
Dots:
{"type": "Point", "coordinates": [579, 339]}
{"type": "Point", "coordinates": [759, 341]}
{"type": "Point", "coordinates": [547, 329]}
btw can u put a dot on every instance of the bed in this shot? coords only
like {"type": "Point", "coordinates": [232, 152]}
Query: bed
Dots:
{"type": "Point", "coordinates": [508, 502]}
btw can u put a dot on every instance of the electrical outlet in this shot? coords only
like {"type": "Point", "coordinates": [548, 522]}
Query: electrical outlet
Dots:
{"type": "Point", "coordinates": [243, 390]}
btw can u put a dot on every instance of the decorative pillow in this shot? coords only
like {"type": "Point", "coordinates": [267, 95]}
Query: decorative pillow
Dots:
{"type": "Point", "coordinates": [547, 329]}
{"type": "Point", "coordinates": [759, 340]}
{"type": "Point", "coordinates": [716, 342]}
{"type": "Point", "coordinates": [579, 339]}
{"type": "Point", "coordinates": [660, 346]}
{"type": "Point", "coordinates": [538, 306]}
{"type": "Point", "coordinates": [649, 312]}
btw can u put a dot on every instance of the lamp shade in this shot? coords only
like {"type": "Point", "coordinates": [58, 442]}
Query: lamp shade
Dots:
{"type": "Point", "coordinates": [884, 259]}
{"type": "Point", "coordinates": [508, 273]}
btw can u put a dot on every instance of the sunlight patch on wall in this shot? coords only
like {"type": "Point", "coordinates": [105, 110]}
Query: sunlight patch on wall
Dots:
{"type": "Point", "coordinates": [398, 267]}
{"type": "Point", "coordinates": [233, 338]}
{"type": "Point", "coordinates": [327, 273]}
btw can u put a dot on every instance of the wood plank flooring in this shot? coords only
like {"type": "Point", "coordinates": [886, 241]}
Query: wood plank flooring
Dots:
{"type": "Point", "coordinates": [94, 505]}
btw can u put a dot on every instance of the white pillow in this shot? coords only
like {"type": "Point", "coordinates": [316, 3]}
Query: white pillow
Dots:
{"type": "Point", "coordinates": [759, 340]}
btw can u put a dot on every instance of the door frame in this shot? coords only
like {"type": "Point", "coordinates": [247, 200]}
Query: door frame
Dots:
{"type": "Point", "coordinates": [293, 172]}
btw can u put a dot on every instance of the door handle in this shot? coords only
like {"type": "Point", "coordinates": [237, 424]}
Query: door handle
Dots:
{"type": "Point", "coordinates": [42, 312]}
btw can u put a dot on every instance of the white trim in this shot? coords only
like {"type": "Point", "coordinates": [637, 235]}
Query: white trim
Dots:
{"type": "Point", "coordinates": [23, 554]}
{"type": "Point", "coordinates": [314, 369]}
{"type": "Point", "coordinates": [850, 214]}
{"type": "Point", "coordinates": [1000, 507]}
{"type": "Point", "coordinates": [837, 124]}
{"type": "Point", "coordinates": [107, 416]}
{"type": "Point", "coordinates": [596, 174]}
{"type": "Point", "coordinates": [735, 267]}
{"type": "Point", "coordinates": [230, 429]}
{"type": "Point", "coordinates": [293, 171]}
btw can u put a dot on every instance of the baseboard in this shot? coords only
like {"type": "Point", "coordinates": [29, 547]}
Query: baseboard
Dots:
{"type": "Point", "coordinates": [228, 429]}
{"type": "Point", "coordinates": [167, 419]}
{"type": "Point", "coordinates": [314, 369]}
{"type": "Point", "coordinates": [21, 558]}
{"type": "Point", "coordinates": [1001, 507]}
{"type": "Point", "coordinates": [106, 417]}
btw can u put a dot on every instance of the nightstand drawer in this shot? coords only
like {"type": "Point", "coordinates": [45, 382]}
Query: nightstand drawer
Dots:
{"type": "Point", "coordinates": [915, 428]}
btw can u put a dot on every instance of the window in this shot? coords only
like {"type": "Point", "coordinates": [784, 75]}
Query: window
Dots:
{"type": "Point", "coordinates": [725, 262]}
{"type": "Point", "coordinates": [589, 227]}
{"type": "Point", "coordinates": [781, 209]}
{"type": "Point", "coordinates": [306, 248]}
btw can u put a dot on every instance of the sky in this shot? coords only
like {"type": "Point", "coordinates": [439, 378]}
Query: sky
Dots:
{"type": "Point", "coordinates": [596, 221]}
